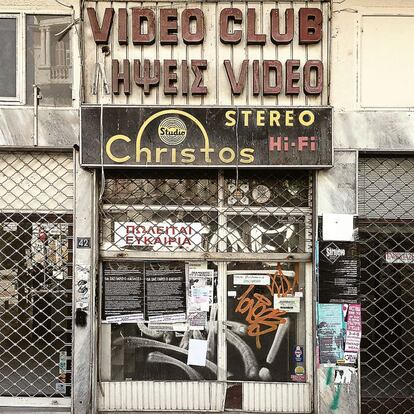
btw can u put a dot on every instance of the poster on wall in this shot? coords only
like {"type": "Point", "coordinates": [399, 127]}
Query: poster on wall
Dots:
{"type": "Point", "coordinates": [353, 329]}
{"type": "Point", "coordinates": [165, 291]}
{"type": "Point", "coordinates": [339, 272]}
{"type": "Point", "coordinates": [123, 293]}
{"type": "Point", "coordinates": [199, 296]}
{"type": "Point", "coordinates": [331, 327]}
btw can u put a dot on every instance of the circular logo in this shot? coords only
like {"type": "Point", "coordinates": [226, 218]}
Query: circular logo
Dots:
{"type": "Point", "coordinates": [172, 131]}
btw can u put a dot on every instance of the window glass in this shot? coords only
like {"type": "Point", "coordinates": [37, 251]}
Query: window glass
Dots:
{"type": "Point", "coordinates": [8, 57]}
{"type": "Point", "coordinates": [48, 60]}
{"type": "Point", "coordinates": [156, 310]}
{"type": "Point", "coordinates": [265, 322]}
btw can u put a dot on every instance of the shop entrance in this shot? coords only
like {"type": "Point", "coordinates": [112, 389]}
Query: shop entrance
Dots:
{"type": "Point", "coordinates": [36, 232]}
{"type": "Point", "coordinates": [386, 228]}
{"type": "Point", "coordinates": [206, 291]}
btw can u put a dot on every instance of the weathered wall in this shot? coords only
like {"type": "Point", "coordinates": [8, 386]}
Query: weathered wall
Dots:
{"type": "Point", "coordinates": [372, 94]}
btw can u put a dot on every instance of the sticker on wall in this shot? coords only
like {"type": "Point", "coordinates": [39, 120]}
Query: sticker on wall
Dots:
{"type": "Point", "coordinates": [287, 304]}
{"type": "Point", "coordinates": [298, 353]}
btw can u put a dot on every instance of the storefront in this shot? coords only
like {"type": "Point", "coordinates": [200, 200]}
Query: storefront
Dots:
{"type": "Point", "coordinates": [205, 150]}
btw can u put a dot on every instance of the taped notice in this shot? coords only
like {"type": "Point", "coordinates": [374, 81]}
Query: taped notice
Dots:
{"type": "Point", "coordinates": [135, 317]}
{"type": "Point", "coordinates": [176, 317]}
{"type": "Point", "coordinates": [287, 304]}
{"type": "Point", "coordinates": [251, 280]}
{"type": "Point", "coordinates": [338, 227]}
{"type": "Point", "coordinates": [200, 290]}
{"type": "Point", "coordinates": [197, 352]}
{"type": "Point", "coordinates": [197, 321]}
{"type": "Point", "coordinates": [350, 357]}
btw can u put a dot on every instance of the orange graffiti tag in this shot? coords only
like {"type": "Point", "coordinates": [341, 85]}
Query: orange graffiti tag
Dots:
{"type": "Point", "coordinates": [261, 317]}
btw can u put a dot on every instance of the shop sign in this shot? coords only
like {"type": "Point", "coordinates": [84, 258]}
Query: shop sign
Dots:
{"type": "Point", "coordinates": [158, 235]}
{"type": "Point", "coordinates": [206, 137]}
{"type": "Point", "coordinates": [171, 28]}
{"type": "Point", "coordinates": [399, 257]}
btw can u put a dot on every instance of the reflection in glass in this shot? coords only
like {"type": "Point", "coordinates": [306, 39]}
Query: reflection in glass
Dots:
{"type": "Point", "coordinates": [48, 60]}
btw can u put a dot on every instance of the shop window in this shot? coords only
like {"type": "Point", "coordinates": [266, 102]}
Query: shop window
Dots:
{"type": "Point", "coordinates": [257, 213]}
{"type": "Point", "coordinates": [8, 67]}
{"type": "Point", "coordinates": [204, 275]}
{"type": "Point", "coordinates": [47, 60]}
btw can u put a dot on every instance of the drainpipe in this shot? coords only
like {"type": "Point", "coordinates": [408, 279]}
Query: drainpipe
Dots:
{"type": "Point", "coordinates": [36, 97]}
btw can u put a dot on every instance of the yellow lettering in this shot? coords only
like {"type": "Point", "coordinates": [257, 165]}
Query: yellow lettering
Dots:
{"type": "Point", "coordinates": [311, 116]}
{"type": "Point", "coordinates": [229, 159]}
{"type": "Point", "coordinates": [188, 155]}
{"type": "Point", "coordinates": [108, 148]}
{"type": "Point", "coordinates": [230, 120]}
{"type": "Point", "coordinates": [246, 117]}
{"type": "Point", "coordinates": [260, 118]}
{"type": "Point", "coordinates": [207, 151]}
{"type": "Point", "coordinates": [158, 152]}
{"type": "Point", "coordinates": [289, 118]}
{"type": "Point", "coordinates": [247, 153]}
{"type": "Point", "coordinates": [274, 117]}
{"type": "Point", "coordinates": [174, 155]}
{"type": "Point", "coordinates": [147, 151]}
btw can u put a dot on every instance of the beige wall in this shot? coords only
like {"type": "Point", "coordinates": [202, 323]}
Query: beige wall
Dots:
{"type": "Point", "coordinates": [212, 50]}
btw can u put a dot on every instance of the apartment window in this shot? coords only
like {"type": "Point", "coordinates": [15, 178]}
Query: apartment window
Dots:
{"type": "Point", "coordinates": [43, 58]}
{"type": "Point", "coordinates": [8, 58]}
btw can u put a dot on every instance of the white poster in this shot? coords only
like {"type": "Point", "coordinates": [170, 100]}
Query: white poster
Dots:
{"type": "Point", "coordinates": [200, 290]}
{"type": "Point", "coordinates": [338, 227]}
{"type": "Point", "coordinates": [160, 236]}
{"type": "Point", "coordinates": [287, 304]}
{"type": "Point", "coordinates": [197, 352]}
{"type": "Point", "coordinates": [251, 279]}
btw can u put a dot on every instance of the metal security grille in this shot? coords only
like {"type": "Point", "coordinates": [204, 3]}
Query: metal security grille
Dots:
{"type": "Point", "coordinates": [35, 273]}
{"type": "Point", "coordinates": [203, 212]}
{"type": "Point", "coordinates": [386, 229]}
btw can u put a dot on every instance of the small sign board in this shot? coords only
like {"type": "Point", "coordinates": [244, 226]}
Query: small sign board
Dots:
{"type": "Point", "coordinates": [83, 242]}
{"type": "Point", "coordinates": [399, 257]}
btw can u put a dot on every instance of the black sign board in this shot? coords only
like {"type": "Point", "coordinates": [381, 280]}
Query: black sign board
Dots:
{"type": "Point", "coordinates": [206, 137]}
{"type": "Point", "coordinates": [339, 272]}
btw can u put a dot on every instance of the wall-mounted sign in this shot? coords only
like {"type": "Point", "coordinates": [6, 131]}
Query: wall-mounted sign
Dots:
{"type": "Point", "coordinates": [399, 257]}
{"type": "Point", "coordinates": [190, 28]}
{"type": "Point", "coordinates": [207, 137]}
{"type": "Point", "coordinates": [158, 235]}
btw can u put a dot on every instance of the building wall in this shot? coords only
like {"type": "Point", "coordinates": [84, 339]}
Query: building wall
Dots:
{"type": "Point", "coordinates": [371, 92]}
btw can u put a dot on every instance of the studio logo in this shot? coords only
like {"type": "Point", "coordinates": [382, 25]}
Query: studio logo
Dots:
{"type": "Point", "coordinates": [332, 253]}
{"type": "Point", "coordinates": [172, 131]}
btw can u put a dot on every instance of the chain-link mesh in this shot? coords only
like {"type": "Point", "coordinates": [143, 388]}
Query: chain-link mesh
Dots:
{"type": "Point", "coordinates": [35, 273]}
{"type": "Point", "coordinates": [386, 229]}
{"type": "Point", "coordinates": [207, 211]}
